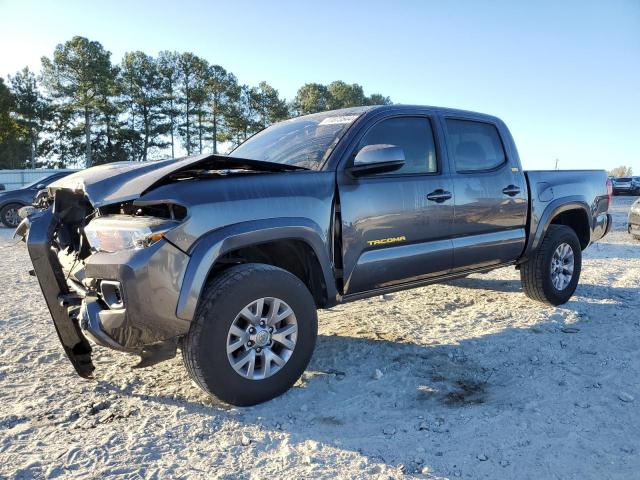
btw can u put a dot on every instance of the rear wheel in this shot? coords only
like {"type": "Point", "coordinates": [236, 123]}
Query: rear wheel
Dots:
{"type": "Point", "coordinates": [551, 275]}
{"type": "Point", "coordinates": [9, 215]}
{"type": "Point", "coordinates": [253, 334]}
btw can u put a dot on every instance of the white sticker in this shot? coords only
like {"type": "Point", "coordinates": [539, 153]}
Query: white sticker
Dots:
{"type": "Point", "coordinates": [338, 120]}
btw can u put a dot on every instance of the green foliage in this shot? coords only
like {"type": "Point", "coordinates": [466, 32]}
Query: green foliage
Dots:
{"type": "Point", "coordinates": [143, 96]}
{"type": "Point", "coordinates": [311, 98]}
{"type": "Point", "coordinates": [621, 171]}
{"type": "Point", "coordinates": [377, 99]}
{"type": "Point", "coordinates": [268, 105]}
{"type": "Point", "coordinates": [8, 126]}
{"type": "Point", "coordinates": [314, 97]}
{"type": "Point", "coordinates": [31, 110]}
{"type": "Point", "coordinates": [13, 149]}
{"type": "Point", "coordinates": [342, 95]}
{"type": "Point", "coordinates": [221, 90]}
{"type": "Point", "coordinates": [83, 110]}
{"type": "Point", "coordinates": [169, 76]}
{"type": "Point", "coordinates": [80, 77]}
{"type": "Point", "coordinates": [192, 78]}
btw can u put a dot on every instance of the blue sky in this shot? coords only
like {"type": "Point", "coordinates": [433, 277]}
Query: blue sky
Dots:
{"type": "Point", "coordinates": [565, 76]}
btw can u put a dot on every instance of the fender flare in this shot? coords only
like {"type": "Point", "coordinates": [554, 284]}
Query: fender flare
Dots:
{"type": "Point", "coordinates": [14, 202]}
{"type": "Point", "coordinates": [216, 243]}
{"type": "Point", "coordinates": [553, 209]}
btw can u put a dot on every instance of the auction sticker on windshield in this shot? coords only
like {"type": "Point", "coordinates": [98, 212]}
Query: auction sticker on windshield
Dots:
{"type": "Point", "coordinates": [339, 119]}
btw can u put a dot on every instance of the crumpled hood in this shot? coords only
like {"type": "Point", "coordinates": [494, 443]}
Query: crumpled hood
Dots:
{"type": "Point", "coordinates": [124, 181]}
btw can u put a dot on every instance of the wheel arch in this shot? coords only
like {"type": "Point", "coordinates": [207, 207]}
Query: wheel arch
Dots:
{"type": "Point", "coordinates": [14, 201]}
{"type": "Point", "coordinates": [297, 245]}
{"type": "Point", "coordinates": [578, 220]}
{"type": "Point", "coordinates": [573, 212]}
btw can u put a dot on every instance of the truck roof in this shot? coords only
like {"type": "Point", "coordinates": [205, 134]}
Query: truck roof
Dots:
{"type": "Point", "coordinates": [412, 108]}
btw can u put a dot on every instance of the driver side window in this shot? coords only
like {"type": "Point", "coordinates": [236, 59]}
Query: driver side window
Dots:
{"type": "Point", "coordinates": [414, 135]}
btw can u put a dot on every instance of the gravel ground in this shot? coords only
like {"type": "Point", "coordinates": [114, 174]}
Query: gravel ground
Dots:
{"type": "Point", "coordinates": [467, 379]}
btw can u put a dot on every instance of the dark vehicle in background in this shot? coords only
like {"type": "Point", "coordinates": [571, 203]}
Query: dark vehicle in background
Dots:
{"type": "Point", "coordinates": [13, 200]}
{"type": "Point", "coordinates": [633, 222]}
{"type": "Point", "coordinates": [227, 258]}
{"type": "Point", "coordinates": [626, 185]}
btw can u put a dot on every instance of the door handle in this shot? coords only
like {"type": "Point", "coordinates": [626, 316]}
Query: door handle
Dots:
{"type": "Point", "coordinates": [511, 190]}
{"type": "Point", "coordinates": [439, 196]}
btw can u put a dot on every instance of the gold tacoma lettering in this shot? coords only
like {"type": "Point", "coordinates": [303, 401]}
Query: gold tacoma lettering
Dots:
{"type": "Point", "coordinates": [383, 241]}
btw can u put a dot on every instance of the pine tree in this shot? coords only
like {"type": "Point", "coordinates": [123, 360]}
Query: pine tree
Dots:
{"type": "Point", "coordinates": [270, 108]}
{"type": "Point", "coordinates": [190, 98]}
{"type": "Point", "coordinates": [13, 149]}
{"type": "Point", "coordinates": [169, 77]}
{"type": "Point", "coordinates": [343, 95]}
{"type": "Point", "coordinates": [142, 92]}
{"type": "Point", "coordinates": [30, 109]}
{"type": "Point", "coordinates": [311, 98]}
{"type": "Point", "coordinates": [220, 89]}
{"type": "Point", "coordinates": [77, 77]}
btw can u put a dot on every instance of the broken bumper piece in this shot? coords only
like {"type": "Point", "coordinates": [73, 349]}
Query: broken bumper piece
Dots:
{"type": "Point", "coordinates": [56, 292]}
{"type": "Point", "coordinates": [124, 300]}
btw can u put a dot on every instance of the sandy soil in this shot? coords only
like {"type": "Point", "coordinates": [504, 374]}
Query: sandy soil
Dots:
{"type": "Point", "coordinates": [468, 379]}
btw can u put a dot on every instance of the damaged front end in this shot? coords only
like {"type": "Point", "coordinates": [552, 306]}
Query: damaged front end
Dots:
{"type": "Point", "coordinates": [105, 267]}
{"type": "Point", "coordinates": [109, 275]}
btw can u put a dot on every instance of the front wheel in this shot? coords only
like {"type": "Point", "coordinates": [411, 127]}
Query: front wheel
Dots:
{"type": "Point", "coordinates": [253, 334]}
{"type": "Point", "coordinates": [551, 275]}
{"type": "Point", "coordinates": [9, 215]}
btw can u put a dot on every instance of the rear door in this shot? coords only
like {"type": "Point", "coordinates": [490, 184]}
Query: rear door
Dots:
{"type": "Point", "coordinates": [391, 231]}
{"type": "Point", "coordinates": [490, 194]}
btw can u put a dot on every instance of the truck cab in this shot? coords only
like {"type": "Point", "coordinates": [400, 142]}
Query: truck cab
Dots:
{"type": "Point", "coordinates": [458, 203]}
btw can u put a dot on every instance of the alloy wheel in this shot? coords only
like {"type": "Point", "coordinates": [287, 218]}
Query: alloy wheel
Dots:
{"type": "Point", "coordinates": [262, 338]}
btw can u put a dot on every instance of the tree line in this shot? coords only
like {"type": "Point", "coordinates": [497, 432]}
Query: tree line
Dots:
{"type": "Point", "coordinates": [83, 110]}
{"type": "Point", "coordinates": [621, 171]}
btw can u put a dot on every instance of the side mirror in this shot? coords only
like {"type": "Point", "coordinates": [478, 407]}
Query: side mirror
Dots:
{"type": "Point", "coordinates": [380, 158]}
{"type": "Point", "coordinates": [40, 186]}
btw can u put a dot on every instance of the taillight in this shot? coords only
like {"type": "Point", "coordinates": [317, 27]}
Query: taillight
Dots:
{"type": "Point", "coordinates": [610, 191]}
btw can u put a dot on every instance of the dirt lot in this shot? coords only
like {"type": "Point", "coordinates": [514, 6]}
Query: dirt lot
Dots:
{"type": "Point", "coordinates": [468, 379]}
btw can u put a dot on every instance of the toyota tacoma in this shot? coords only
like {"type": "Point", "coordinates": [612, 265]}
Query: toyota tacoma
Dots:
{"type": "Point", "coordinates": [228, 257]}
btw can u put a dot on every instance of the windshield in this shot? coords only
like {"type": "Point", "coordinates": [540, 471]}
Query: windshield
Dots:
{"type": "Point", "coordinates": [303, 141]}
{"type": "Point", "coordinates": [44, 180]}
{"type": "Point", "coordinates": [623, 179]}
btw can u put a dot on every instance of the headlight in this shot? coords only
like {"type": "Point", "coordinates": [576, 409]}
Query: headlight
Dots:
{"type": "Point", "coordinates": [122, 232]}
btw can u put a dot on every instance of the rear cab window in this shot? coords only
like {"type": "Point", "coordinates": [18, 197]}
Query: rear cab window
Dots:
{"type": "Point", "coordinates": [474, 146]}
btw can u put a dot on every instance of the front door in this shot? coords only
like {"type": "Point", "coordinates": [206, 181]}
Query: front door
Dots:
{"type": "Point", "coordinates": [396, 226]}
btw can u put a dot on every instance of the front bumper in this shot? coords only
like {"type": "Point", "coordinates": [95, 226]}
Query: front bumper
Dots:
{"type": "Point", "coordinates": [57, 295]}
{"type": "Point", "coordinates": [149, 283]}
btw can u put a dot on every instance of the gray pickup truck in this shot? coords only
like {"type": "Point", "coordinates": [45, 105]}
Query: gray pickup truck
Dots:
{"type": "Point", "coordinates": [227, 258]}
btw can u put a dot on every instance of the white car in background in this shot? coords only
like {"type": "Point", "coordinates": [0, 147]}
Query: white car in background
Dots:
{"type": "Point", "coordinates": [633, 223]}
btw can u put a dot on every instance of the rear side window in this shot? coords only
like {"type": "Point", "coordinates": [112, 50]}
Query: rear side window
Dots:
{"type": "Point", "coordinates": [475, 146]}
{"type": "Point", "coordinates": [414, 135]}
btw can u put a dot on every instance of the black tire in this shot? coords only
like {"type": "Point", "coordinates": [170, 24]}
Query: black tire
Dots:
{"type": "Point", "coordinates": [204, 348]}
{"type": "Point", "coordinates": [6, 218]}
{"type": "Point", "coordinates": [535, 274]}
